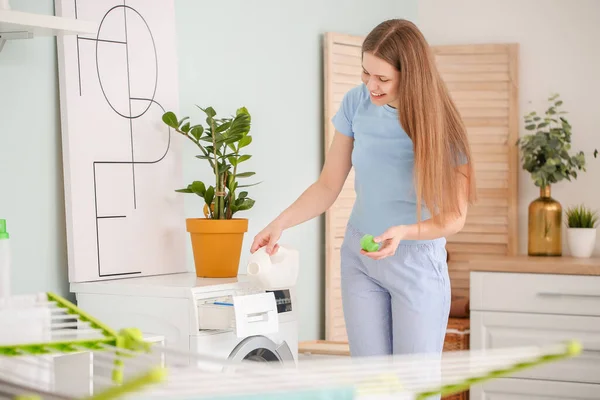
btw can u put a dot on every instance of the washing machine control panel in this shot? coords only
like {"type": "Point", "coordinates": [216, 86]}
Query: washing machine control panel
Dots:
{"type": "Point", "coordinates": [283, 300]}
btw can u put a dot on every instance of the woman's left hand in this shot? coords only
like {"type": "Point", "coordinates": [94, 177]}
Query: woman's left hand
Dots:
{"type": "Point", "coordinates": [389, 240]}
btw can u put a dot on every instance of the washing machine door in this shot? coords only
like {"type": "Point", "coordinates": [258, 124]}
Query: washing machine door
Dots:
{"type": "Point", "coordinates": [261, 349]}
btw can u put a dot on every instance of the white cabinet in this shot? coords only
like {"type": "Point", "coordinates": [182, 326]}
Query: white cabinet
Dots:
{"type": "Point", "coordinates": [521, 309]}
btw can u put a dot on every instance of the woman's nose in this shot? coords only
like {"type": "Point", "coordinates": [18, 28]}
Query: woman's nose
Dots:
{"type": "Point", "coordinates": [371, 84]}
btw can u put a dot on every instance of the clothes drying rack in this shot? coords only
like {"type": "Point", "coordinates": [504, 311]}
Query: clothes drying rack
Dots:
{"type": "Point", "coordinates": [36, 328]}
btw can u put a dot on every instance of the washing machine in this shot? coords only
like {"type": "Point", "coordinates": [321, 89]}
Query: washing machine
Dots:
{"type": "Point", "coordinates": [232, 318]}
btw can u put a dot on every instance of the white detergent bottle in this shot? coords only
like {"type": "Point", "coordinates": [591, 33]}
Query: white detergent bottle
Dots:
{"type": "Point", "coordinates": [4, 261]}
{"type": "Point", "coordinates": [279, 271]}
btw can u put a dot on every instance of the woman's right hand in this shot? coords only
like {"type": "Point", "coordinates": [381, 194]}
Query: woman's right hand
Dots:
{"type": "Point", "coordinates": [267, 237]}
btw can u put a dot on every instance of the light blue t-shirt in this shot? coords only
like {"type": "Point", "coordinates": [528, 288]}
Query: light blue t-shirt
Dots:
{"type": "Point", "coordinates": [383, 161]}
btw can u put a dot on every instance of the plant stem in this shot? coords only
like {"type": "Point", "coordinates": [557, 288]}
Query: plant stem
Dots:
{"type": "Point", "coordinates": [219, 188]}
{"type": "Point", "coordinates": [232, 192]}
{"type": "Point", "coordinates": [225, 211]}
{"type": "Point", "coordinates": [197, 142]}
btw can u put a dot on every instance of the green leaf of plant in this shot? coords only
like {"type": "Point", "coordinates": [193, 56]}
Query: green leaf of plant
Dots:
{"type": "Point", "coordinates": [170, 119]}
{"type": "Point", "coordinates": [199, 188]}
{"type": "Point", "coordinates": [249, 185]}
{"type": "Point", "coordinates": [223, 127]}
{"type": "Point", "coordinates": [244, 174]}
{"type": "Point", "coordinates": [581, 217]}
{"type": "Point", "coordinates": [186, 190]}
{"type": "Point", "coordinates": [244, 158]}
{"type": "Point", "coordinates": [209, 195]}
{"type": "Point", "coordinates": [196, 131]}
{"type": "Point", "coordinates": [530, 127]}
{"type": "Point", "coordinates": [245, 141]}
{"type": "Point", "coordinates": [209, 111]}
{"type": "Point", "coordinates": [233, 161]}
{"type": "Point", "coordinates": [240, 124]}
{"type": "Point", "coordinates": [231, 183]}
{"type": "Point", "coordinates": [231, 139]}
{"type": "Point", "coordinates": [224, 167]}
{"type": "Point", "coordinates": [186, 127]}
{"type": "Point", "coordinates": [219, 138]}
{"type": "Point", "coordinates": [243, 194]}
{"type": "Point", "coordinates": [247, 204]}
{"type": "Point", "coordinates": [242, 110]}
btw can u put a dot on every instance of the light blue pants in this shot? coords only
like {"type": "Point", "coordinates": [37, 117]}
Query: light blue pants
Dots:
{"type": "Point", "coordinates": [397, 305]}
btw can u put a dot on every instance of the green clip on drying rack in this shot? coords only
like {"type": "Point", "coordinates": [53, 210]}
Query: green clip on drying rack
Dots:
{"type": "Point", "coordinates": [136, 372]}
{"type": "Point", "coordinates": [47, 324]}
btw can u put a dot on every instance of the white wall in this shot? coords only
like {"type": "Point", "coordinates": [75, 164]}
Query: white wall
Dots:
{"type": "Point", "coordinates": [559, 52]}
{"type": "Point", "coordinates": [267, 56]}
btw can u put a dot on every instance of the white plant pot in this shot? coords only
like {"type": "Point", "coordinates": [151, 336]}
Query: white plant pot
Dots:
{"type": "Point", "coordinates": [581, 241]}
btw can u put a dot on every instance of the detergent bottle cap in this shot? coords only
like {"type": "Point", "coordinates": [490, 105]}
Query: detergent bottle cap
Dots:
{"type": "Point", "coordinates": [3, 233]}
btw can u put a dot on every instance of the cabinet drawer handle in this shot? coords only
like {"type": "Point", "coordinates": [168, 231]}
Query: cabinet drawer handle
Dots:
{"type": "Point", "coordinates": [557, 294]}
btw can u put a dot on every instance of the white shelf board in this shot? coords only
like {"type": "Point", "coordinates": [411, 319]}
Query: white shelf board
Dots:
{"type": "Point", "coordinates": [43, 25]}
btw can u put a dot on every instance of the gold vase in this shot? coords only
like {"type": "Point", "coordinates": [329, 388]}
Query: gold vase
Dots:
{"type": "Point", "coordinates": [545, 223]}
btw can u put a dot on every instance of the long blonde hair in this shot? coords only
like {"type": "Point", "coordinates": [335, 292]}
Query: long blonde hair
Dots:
{"type": "Point", "coordinates": [429, 117]}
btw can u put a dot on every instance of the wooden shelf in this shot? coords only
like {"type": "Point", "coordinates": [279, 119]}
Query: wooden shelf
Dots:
{"type": "Point", "coordinates": [564, 265]}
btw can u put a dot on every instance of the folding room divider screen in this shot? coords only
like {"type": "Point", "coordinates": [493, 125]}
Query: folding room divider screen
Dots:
{"type": "Point", "coordinates": [483, 81]}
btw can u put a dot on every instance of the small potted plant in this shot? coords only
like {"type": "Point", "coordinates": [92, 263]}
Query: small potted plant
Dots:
{"type": "Point", "coordinates": [217, 238]}
{"type": "Point", "coordinates": [581, 230]}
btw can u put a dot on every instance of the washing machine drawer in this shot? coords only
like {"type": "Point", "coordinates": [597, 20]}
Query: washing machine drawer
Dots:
{"type": "Point", "coordinates": [247, 315]}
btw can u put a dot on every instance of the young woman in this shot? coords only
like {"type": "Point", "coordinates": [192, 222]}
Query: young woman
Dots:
{"type": "Point", "coordinates": [413, 180]}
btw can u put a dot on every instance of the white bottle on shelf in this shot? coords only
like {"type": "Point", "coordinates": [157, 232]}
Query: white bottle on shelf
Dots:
{"type": "Point", "coordinates": [4, 261]}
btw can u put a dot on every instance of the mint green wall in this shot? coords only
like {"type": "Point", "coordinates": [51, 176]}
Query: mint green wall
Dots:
{"type": "Point", "coordinates": [31, 192]}
{"type": "Point", "coordinates": [265, 55]}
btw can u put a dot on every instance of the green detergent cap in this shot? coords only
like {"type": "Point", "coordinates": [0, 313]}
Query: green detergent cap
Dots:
{"type": "Point", "coordinates": [368, 244]}
{"type": "Point", "coordinates": [3, 233]}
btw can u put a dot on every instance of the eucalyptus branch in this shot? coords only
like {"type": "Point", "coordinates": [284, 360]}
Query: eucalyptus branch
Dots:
{"type": "Point", "coordinates": [546, 153]}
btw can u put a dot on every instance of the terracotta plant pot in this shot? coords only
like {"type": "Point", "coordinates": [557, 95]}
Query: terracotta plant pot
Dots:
{"type": "Point", "coordinates": [217, 245]}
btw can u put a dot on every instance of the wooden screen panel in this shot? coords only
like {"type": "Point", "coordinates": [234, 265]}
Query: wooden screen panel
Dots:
{"type": "Point", "coordinates": [342, 69]}
{"type": "Point", "coordinates": [482, 80]}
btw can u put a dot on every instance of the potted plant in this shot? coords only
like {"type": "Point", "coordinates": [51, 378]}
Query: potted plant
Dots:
{"type": "Point", "coordinates": [546, 156]}
{"type": "Point", "coordinates": [581, 231]}
{"type": "Point", "coordinates": [217, 238]}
